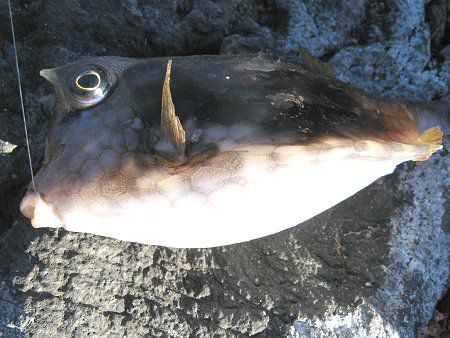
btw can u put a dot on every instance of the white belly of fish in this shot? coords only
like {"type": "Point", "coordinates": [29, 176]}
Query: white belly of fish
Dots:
{"type": "Point", "coordinates": [304, 183]}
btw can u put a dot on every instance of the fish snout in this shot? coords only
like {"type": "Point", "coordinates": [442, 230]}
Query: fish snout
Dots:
{"type": "Point", "coordinates": [28, 204]}
{"type": "Point", "coordinates": [39, 212]}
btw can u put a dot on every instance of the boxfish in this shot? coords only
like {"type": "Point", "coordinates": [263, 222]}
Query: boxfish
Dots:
{"type": "Point", "coordinates": [205, 151]}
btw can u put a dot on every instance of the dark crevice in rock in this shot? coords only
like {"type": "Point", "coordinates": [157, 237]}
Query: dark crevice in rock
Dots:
{"type": "Point", "coordinates": [438, 17]}
{"type": "Point", "coordinates": [272, 14]}
{"type": "Point", "coordinates": [375, 26]}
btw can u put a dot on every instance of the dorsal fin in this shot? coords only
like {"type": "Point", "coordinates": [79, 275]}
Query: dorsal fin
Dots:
{"type": "Point", "coordinates": [173, 137]}
{"type": "Point", "coordinates": [315, 65]}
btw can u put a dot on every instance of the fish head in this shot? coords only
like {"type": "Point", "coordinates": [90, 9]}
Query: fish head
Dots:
{"type": "Point", "coordinates": [100, 139]}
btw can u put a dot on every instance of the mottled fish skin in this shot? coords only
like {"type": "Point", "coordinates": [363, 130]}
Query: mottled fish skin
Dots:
{"type": "Point", "coordinates": [257, 128]}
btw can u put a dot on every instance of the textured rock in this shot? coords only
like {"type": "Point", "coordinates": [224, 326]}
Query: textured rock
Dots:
{"type": "Point", "coordinates": [323, 28]}
{"type": "Point", "coordinates": [396, 64]}
{"type": "Point", "coordinates": [375, 265]}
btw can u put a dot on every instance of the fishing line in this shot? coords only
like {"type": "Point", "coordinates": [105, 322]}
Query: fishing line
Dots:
{"type": "Point", "coordinates": [21, 96]}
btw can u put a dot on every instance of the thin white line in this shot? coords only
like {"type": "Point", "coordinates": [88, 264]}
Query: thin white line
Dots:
{"type": "Point", "coordinates": [21, 96]}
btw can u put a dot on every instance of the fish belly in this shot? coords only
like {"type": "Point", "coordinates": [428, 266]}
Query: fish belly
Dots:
{"type": "Point", "coordinates": [275, 188]}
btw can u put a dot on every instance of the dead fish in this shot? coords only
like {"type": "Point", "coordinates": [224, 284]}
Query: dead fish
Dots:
{"type": "Point", "coordinates": [206, 151]}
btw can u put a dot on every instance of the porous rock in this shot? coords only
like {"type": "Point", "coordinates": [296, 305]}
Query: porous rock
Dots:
{"type": "Point", "coordinates": [373, 266]}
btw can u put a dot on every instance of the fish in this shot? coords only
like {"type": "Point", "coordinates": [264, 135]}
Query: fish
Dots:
{"type": "Point", "coordinates": [206, 151]}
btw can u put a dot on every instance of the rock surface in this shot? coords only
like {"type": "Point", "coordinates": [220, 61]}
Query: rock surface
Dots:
{"type": "Point", "coordinates": [375, 265]}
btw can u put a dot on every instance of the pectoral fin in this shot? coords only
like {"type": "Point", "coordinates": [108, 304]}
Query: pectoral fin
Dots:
{"type": "Point", "coordinates": [173, 138]}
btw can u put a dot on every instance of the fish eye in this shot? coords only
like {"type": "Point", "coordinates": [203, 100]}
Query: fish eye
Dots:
{"type": "Point", "coordinates": [88, 81]}
{"type": "Point", "coordinates": [90, 85]}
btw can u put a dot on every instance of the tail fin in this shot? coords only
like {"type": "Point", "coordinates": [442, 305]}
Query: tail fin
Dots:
{"type": "Point", "coordinates": [421, 125]}
{"type": "Point", "coordinates": [432, 114]}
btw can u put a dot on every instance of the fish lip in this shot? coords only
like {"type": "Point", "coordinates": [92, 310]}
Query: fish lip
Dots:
{"type": "Point", "coordinates": [28, 203]}
{"type": "Point", "coordinates": [41, 213]}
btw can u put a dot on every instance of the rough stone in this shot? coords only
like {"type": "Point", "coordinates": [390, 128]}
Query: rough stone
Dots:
{"type": "Point", "coordinates": [398, 63]}
{"type": "Point", "coordinates": [375, 265]}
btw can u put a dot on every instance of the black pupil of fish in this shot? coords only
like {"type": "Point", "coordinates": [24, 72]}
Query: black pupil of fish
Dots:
{"type": "Point", "coordinates": [88, 81]}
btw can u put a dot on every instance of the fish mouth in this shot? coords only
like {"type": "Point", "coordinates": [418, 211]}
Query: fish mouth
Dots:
{"type": "Point", "coordinates": [39, 212]}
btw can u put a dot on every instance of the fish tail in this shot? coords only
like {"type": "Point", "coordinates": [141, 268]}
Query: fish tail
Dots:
{"type": "Point", "coordinates": [421, 124]}
{"type": "Point", "coordinates": [432, 120]}
{"type": "Point", "coordinates": [432, 114]}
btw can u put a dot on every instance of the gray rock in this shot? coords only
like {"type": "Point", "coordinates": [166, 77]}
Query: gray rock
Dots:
{"type": "Point", "coordinates": [322, 28]}
{"type": "Point", "coordinates": [398, 65]}
{"type": "Point", "coordinates": [13, 318]}
{"type": "Point", "coordinates": [375, 265]}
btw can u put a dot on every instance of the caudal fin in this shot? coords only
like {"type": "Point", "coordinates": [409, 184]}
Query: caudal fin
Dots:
{"type": "Point", "coordinates": [432, 114]}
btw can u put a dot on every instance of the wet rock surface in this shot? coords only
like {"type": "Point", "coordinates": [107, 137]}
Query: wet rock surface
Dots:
{"type": "Point", "coordinates": [375, 265]}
